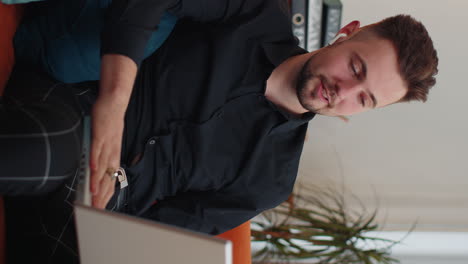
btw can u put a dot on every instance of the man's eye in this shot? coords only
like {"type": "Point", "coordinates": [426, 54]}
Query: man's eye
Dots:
{"type": "Point", "coordinates": [355, 68]}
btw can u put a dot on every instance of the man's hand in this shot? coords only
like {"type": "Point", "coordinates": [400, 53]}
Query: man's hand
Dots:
{"type": "Point", "coordinates": [108, 124]}
{"type": "Point", "coordinates": [118, 74]}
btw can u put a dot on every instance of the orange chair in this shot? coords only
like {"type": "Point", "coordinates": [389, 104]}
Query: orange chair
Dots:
{"type": "Point", "coordinates": [240, 238]}
{"type": "Point", "coordinates": [10, 15]}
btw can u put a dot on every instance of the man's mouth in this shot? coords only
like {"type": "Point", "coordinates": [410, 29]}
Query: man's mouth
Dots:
{"type": "Point", "coordinates": [324, 93]}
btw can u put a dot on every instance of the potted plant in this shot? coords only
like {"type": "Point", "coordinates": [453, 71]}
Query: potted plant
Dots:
{"type": "Point", "coordinates": [315, 224]}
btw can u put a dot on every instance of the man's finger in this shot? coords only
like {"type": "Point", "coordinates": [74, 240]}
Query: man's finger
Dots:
{"type": "Point", "coordinates": [106, 191]}
{"type": "Point", "coordinates": [95, 165]}
{"type": "Point", "coordinates": [103, 168]}
{"type": "Point", "coordinates": [108, 196]}
{"type": "Point", "coordinates": [107, 184]}
{"type": "Point", "coordinates": [96, 147]}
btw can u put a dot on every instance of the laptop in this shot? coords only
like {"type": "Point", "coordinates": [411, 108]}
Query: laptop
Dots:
{"type": "Point", "coordinates": [113, 238]}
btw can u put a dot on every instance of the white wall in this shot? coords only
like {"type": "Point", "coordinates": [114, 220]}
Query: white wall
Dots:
{"type": "Point", "coordinates": [428, 247]}
{"type": "Point", "coordinates": [412, 157]}
{"type": "Point", "coordinates": [416, 248]}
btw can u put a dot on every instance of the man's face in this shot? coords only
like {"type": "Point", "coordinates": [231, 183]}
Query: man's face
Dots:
{"type": "Point", "coordinates": [350, 77]}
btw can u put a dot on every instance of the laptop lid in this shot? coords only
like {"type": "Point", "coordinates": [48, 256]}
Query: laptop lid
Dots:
{"type": "Point", "coordinates": [113, 238]}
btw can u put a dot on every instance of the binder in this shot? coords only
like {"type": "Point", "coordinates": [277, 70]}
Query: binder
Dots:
{"type": "Point", "coordinates": [332, 11]}
{"type": "Point", "coordinates": [314, 25]}
{"type": "Point", "coordinates": [299, 19]}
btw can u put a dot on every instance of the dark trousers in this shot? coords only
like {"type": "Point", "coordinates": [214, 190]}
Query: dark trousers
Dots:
{"type": "Point", "coordinates": [40, 134]}
{"type": "Point", "coordinates": [40, 147]}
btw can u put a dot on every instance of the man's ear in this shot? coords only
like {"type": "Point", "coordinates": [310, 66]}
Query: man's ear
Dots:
{"type": "Point", "coordinates": [350, 28]}
{"type": "Point", "coordinates": [346, 31]}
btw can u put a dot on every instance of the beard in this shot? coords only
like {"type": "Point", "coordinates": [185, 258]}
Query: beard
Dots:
{"type": "Point", "coordinates": [305, 75]}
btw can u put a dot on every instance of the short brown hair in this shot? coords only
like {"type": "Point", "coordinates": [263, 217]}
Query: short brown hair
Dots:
{"type": "Point", "coordinates": [417, 57]}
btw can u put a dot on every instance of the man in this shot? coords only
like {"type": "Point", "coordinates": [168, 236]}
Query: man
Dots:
{"type": "Point", "coordinates": [211, 129]}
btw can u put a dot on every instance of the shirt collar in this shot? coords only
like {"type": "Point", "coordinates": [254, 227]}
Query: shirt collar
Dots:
{"type": "Point", "coordinates": [292, 121]}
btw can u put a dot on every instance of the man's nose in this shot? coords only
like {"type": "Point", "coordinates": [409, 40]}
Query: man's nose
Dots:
{"type": "Point", "coordinates": [348, 89]}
